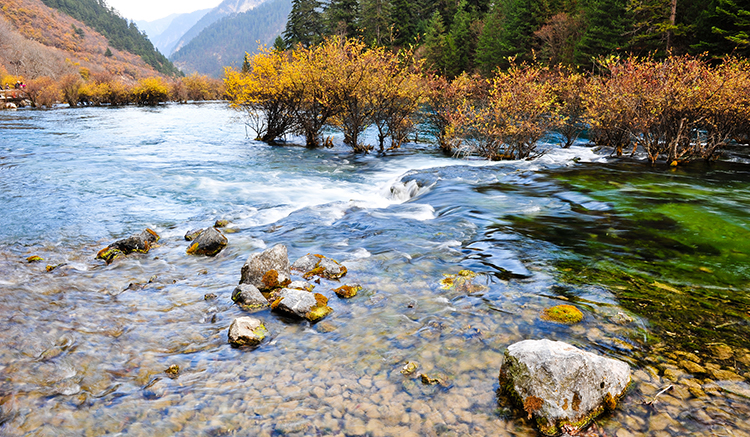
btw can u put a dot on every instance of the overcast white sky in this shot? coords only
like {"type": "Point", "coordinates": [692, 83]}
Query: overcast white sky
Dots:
{"type": "Point", "coordinates": [151, 10]}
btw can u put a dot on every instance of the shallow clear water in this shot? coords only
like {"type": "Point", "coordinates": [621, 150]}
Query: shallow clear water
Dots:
{"type": "Point", "coordinates": [655, 258]}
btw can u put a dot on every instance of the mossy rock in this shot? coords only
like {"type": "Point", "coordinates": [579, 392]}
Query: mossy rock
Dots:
{"type": "Point", "coordinates": [320, 310]}
{"type": "Point", "coordinates": [565, 314]}
{"type": "Point", "coordinates": [347, 291]}
{"type": "Point", "coordinates": [462, 281]}
{"type": "Point", "coordinates": [34, 258]}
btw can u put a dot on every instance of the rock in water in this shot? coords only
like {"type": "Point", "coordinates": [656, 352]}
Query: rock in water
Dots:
{"type": "Point", "coordinates": [249, 297]}
{"type": "Point", "coordinates": [318, 265]}
{"type": "Point", "coordinates": [210, 242]}
{"type": "Point", "coordinates": [193, 234]}
{"type": "Point", "coordinates": [137, 243]}
{"type": "Point", "coordinates": [267, 270]}
{"type": "Point", "coordinates": [561, 386]}
{"type": "Point", "coordinates": [302, 304]}
{"type": "Point", "coordinates": [246, 331]}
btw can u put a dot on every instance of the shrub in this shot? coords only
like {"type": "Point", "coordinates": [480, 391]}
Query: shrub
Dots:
{"type": "Point", "coordinates": [43, 91]}
{"type": "Point", "coordinates": [150, 91]}
{"type": "Point", "coordinates": [519, 109]}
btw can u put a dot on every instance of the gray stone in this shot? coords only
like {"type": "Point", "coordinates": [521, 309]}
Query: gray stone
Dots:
{"type": "Point", "coordinates": [562, 387]}
{"type": "Point", "coordinates": [302, 304]}
{"type": "Point", "coordinates": [318, 265]}
{"type": "Point", "coordinates": [249, 297]}
{"type": "Point", "coordinates": [301, 285]}
{"type": "Point", "coordinates": [262, 266]}
{"type": "Point", "coordinates": [295, 302]}
{"type": "Point", "coordinates": [306, 263]}
{"type": "Point", "coordinates": [246, 331]}
{"type": "Point", "coordinates": [210, 242]}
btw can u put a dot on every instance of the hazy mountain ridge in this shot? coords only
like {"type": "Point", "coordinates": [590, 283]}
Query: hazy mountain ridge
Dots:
{"type": "Point", "coordinates": [226, 8]}
{"type": "Point", "coordinates": [166, 32]}
{"type": "Point", "coordinates": [225, 41]}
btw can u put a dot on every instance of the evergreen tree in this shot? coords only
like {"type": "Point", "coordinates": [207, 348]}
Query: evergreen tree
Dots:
{"type": "Point", "coordinates": [489, 47]}
{"type": "Point", "coordinates": [278, 44]}
{"type": "Point", "coordinates": [654, 25]}
{"type": "Point", "coordinates": [736, 15]}
{"type": "Point", "coordinates": [403, 23]}
{"type": "Point", "coordinates": [522, 19]}
{"type": "Point", "coordinates": [304, 24]}
{"type": "Point", "coordinates": [342, 18]}
{"type": "Point", "coordinates": [376, 21]}
{"type": "Point", "coordinates": [605, 30]}
{"type": "Point", "coordinates": [460, 42]}
{"type": "Point", "coordinates": [246, 64]}
{"type": "Point", "coordinates": [436, 44]}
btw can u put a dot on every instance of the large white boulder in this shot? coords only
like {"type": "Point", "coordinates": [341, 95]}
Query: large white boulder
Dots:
{"type": "Point", "coordinates": [562, 387]}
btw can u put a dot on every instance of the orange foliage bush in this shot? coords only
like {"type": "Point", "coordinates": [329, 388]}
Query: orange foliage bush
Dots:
{"type": "Point", "coordinates": [43, 91]}
{"type": "Point", "coordinates": [678, 109]}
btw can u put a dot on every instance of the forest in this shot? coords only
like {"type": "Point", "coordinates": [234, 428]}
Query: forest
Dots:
{"type": "Point", "coordinates": [481, 35]}
{"type": "Point", "coordinates": [121, 34]}
{"type": "Point", "coordinates": [674, 110]}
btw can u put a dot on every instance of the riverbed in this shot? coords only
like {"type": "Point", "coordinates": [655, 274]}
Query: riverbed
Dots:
{"type": "Point", "coordinates": [655, 257]}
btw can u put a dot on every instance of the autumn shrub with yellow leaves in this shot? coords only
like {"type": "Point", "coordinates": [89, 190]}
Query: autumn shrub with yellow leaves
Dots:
{"type": "Point", "coordinates": [340, 84]}
{"type": "Point", "coordinates": [676, 109]}
{"type": "Point", "coordinates": [150, 91]}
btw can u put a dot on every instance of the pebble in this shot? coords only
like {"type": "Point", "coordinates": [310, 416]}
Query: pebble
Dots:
{"type": "Point", "coordinates": [354, 426]}
{"type": "Point", "coordinates": [692, 367]}
{"type": "Point", "coordinates": [660, 422]}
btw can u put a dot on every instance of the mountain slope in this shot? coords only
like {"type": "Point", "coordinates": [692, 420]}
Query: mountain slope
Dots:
{"type": "Point", "coordinates": [167, 40]}
{"type": "Point", "coordinates": [225, 8]}
{"type": "Point", "coordinates": [226, 41]}
{"type": "Point", "coordinates": [36, 40]}
{"type": "Point", "coordinates": [155, 27]}
{"type": "Point", "coordinates": [121, 34]}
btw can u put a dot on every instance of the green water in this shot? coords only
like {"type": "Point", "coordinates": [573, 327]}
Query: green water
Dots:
{"type": "Point", "coordinates": [674, 246]}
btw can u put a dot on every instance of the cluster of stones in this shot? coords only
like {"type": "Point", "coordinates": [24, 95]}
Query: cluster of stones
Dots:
{"type": "Point", "coordinates": [266, 281]}
{"type": "Point", "coordinates": [208, 241]}
{"type": "Point", "coordinates": [561, 387]}
{"type": "Point", "coordinates": [139, 243]}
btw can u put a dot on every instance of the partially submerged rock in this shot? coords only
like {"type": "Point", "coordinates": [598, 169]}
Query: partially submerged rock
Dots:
{"type": "Point", "coordinates": [267, 270]}
{"type": "Point", "coordinates": [140, 243]}
{"type": "Point", "coordinates": [347, 291]}
{"type": "Point", "coordinates": [565, 314]}
{"type": "Point", "coordinates": [302, 304]}
{"type": "Point", "coordinates": [301, 285]}
{"type": "Point", "coordinates": [34, 258]}
{"type": "Point", "coordinates": [246, 331]}
{"type": "Point", "coordinates": [210, 242]}
{"type": "Point", "coordinates": [463, 281]}
{"type": "Point", "coordinates": [193, 234]}
{"type": "Point", "coordinates": [560, 386]}
{"type": "Point", "coordinates": [249, 297]}
{"type": "Point", "coordinates": [318, 265]}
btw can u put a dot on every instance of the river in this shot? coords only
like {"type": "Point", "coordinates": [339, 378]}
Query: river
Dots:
{"type": "Point", "coordinates": [655, 257]}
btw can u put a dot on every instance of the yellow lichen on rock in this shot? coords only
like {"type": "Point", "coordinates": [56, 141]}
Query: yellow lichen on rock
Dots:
{"type": "Point", "coordinates": [566, 314]}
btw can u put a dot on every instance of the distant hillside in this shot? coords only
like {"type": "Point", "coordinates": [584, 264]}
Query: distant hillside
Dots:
{"type": "Point", "coordinates": [225, 9]}
{"type": "Point", "coordinates": [121, 34]}
{"type": "Point", "coordinates": [167, 41]}
{"type": "Point", "coordinates": [36, 40]}
{"type": "Point", "coordinates": [226, 41]}
{"type": "Point", "coordinates": [155, 27]}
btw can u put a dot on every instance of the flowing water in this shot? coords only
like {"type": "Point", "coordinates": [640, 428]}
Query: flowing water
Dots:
{"type": "Point", "coordinates": [656, 258]}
